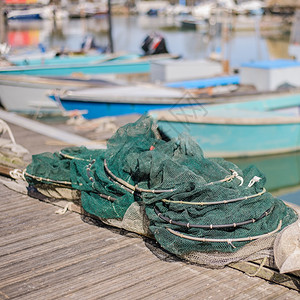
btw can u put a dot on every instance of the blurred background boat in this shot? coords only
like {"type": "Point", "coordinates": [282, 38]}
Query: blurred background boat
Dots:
{"type": "Point", "coordinates": [38, 13]}
{"type": "Point", "coordinates": [65, 66]}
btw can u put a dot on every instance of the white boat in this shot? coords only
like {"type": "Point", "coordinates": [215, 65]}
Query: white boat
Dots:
{"type": "Point", "coordinates": [249, 7]}
{"type": "Point", "coordinates": [52, 12]}
{"type": "Point", "coordinates": [25, 14]}
{"type": "Point", "coordinates": [85, 9]}
{"type": "Point", "coordinates": [38, 13]}
{"type": "Point", "coordinates": [27, 94]}
{"type": "Point", "coordinates": [204, 10]}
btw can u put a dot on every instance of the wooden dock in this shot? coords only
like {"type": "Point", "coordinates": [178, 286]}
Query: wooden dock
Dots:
{"type": "Point", "coordinates": [45, 255]}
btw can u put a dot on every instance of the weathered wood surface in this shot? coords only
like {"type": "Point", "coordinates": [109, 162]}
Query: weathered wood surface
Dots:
{"type": "Point", "coordinates": [49, 256]}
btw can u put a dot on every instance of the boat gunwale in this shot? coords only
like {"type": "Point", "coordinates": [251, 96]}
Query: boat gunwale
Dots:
{"type": "Point", "coordinates": [141, 60]}
{"type": "Point", "coordinates": [257, 153]}
{"type": "Point", "coordinates": [38, 82]}
{"type": "Point", "coordinates": [166, 116]}
{"type": "Point", "coordinates": [128, 100]}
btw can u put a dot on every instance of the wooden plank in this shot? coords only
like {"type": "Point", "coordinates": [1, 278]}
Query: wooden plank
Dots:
{"type": "Point", "coordinates": [265, 291]}
{"type": "Point", "coordinates": [5, 170]}
{"type": "Point", "coordinates": [121, 275]}
{"type": "Point", "coordinates": [82, 283]}
{"type": "Point", "coordinates": [52, 245]}
{"type": "Point", "coordinates": [54, 224]}
{"type": "Point", "coordinates": [161, 288]}
{"type": "Point", "coordinates": [82, 273]}
{"type": "Point", "coordinates": [60, 257]}
{"type": "Point", "coordinates": [18, 209]}
{"type": "Point", "coordinates": [61, 260]}
{"type": "Point", "coordinates": [42, 239]}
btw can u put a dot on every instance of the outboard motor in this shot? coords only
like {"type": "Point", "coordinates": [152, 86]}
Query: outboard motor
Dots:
{"type": "Point", "coordinates": [154, 43]}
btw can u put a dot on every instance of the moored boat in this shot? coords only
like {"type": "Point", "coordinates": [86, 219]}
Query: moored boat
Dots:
{"type": "Point", "coordinates": [114, 101]}
{"type": "Point", "coordinates": [87, 65]}
{"type": "Point", "coordinates": [257, 127]}
{"type": "Point", "coordinates": [27, 94]}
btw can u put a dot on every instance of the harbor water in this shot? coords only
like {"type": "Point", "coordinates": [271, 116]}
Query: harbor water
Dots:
{"type": "Point", "coordinates": [128, 32]}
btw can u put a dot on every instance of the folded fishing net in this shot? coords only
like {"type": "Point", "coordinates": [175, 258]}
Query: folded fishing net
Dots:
{"type": "Point", "coordinates": [205, 210]}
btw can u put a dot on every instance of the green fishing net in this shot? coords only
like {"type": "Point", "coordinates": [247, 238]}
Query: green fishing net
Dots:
{"type": "Point", "coordinates": [81, 169]}
{"type": "Point", "coordinates": [193, 203]}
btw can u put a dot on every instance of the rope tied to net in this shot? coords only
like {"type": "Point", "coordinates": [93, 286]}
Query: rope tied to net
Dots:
{"type": "Point", "coordinates": [135, 188]}
{"type": "Point", "coordinates": [228, 241]}
{"type": "Point", "coordinates": [37, 178]}
{"type": "Point", "coordinates": [215, 202]}
{"type": "Point", "coordinates": [259, 268]}
{"type": "Point", "coordinates": [17, 174]}
{"type": "Point", "coordinates": [64, 155]}
{"type": "Point", "coordinates": [130, 186]}
{"type": "Point", "coordinates": [254, 180]}
{"type": "Point", "coordinates": [228, 178]}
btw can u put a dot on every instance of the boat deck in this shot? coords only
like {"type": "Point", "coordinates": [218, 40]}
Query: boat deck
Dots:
{"type": "Point", "coordinates": [45, 255]}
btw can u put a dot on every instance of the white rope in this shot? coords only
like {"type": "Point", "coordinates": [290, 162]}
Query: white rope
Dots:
{"type": "Point", "coordinates": [228, 241]}
{"type": "Point", "coordinates": [17, 174]}
{"type": "Point", "coordinates": [259, 268]}
{"type": "Point", "coordinates": [254, 180]}
{"type": "Point", "coordinates": [215, 202]}
{"type": "Point", "coordinates": [62, 211]}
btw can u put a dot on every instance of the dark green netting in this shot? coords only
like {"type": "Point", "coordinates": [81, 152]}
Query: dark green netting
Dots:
{"type": "Point", "coordinates": [83, 169]}
{"type": "Point", "coordinates": [47, 167]}
{"type": "Point", "coordinates": [175, 174]}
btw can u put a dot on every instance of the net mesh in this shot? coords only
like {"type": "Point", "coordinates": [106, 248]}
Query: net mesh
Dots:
{"type": "Point", "coordinates": [191, 204]}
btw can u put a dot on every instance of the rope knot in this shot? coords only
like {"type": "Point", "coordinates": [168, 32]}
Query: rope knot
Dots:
{"type": "Point", "coordinates": [254, 180]}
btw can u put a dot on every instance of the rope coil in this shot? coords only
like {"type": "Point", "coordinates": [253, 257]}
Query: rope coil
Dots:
{"type": "Point", "coordinates": [141, 190]}
{"type": "Point", "coordinates": [215, 202]}
{"type": "Point", "coordinates": [228, 241]}
{"type": "Point", "coordinates": [67, 183]}
{"type": "Point", "coordinates": [211, 226]}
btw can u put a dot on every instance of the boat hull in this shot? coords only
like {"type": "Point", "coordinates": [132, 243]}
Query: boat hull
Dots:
{"type": "Point", "coordinates": [26, 99]}
{"type": "Point", "coordinates": [108, 108]}
{"type": "Point", "coordinates": [118, 68]}
{"type": "Point", "coordinates": [260, 126]}
{"type": "Point", "coordinates": [33, 16]}
{"type": "Point", "coordinates": [66, 66]}
{"type": "Point", "coordinates": [28, 94]}
{"type": "Point", "coordinates": [231, 140]}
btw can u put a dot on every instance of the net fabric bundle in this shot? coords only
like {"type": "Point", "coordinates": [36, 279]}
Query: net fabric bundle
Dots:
{"type": "Point", "coordinates": [195, 207]}
{"type": "Point", "coordinates": [80, 169]}
{"type": "Point", "coordinates": [189, 184]}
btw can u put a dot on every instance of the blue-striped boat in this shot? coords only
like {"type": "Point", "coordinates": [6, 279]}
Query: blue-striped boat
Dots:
{"type": "Point", "coordinates": [139, 99]}
{"type": "Point", "coordinates": [267, 125]}
{"type": "Point", "coordinates": [121, 100]}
